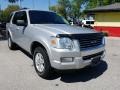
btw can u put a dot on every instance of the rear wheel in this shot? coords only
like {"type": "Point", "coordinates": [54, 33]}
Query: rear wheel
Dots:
{"type": "Point", "coordinates": [41, 63]}
{"type": "Point", "coordinates": [11, 44]}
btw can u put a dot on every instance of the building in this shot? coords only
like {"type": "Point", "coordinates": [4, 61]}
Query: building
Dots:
{"type": "Point", "coordinates": [107, 18]}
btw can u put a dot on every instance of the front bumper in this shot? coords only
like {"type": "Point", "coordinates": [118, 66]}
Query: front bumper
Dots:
{"type": "Point", "coordinates": [77, 56]}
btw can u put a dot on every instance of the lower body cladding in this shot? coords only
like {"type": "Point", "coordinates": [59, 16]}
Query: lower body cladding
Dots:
{"type": "Point", "coordinates": [65, 59]}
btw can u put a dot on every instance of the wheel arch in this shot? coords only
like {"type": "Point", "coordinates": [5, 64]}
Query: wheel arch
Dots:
{"type": "Point", "coordinates": [8, 32]}
{"type": "Point", "coordinates": [37, 44]}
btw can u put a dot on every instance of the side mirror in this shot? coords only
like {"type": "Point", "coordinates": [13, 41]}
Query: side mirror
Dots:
{"type": "Point", "coordinates": [21, 23]}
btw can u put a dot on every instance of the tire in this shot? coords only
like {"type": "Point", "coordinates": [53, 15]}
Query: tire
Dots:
{"type": "Point", "coordinates": [11, 44]}
{"type": "Point", "coordinates": [42, 63]}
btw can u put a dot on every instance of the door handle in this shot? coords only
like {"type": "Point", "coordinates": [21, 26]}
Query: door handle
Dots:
{"type": "Point", "coordinates": [18, 28]}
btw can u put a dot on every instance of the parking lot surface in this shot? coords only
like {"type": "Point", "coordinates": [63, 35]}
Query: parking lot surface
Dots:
{"type": "Point", "coordinates": [17, 72]}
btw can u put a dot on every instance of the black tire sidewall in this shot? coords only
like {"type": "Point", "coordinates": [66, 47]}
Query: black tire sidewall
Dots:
{"type": "Point", "coordinates": [13, 45]}
{"type": "Point", "coordinates": [47, 66]}
{"type": "Point", "coordinates": [9, 40]}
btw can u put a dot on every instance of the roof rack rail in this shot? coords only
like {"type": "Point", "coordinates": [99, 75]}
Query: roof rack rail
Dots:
{"type": "Point", "coordinates": [23, 8]}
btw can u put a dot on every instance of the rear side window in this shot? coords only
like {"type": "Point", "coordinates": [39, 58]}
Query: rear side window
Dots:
{"type": "Point", "coordinates": [19, 16]}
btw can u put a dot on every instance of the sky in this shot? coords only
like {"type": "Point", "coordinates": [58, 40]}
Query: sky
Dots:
{"type": "Point", "coordinates": [32, 4]}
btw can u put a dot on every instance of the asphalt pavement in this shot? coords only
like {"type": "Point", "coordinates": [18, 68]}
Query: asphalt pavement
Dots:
{"type": "Point", "coordinates": [17, 72]}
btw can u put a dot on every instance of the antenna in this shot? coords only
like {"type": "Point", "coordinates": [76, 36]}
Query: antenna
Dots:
{"type": "Point", "coordinates": [33, 4]}
{"type": "Point", "coordinates": [0, 8]}
{"type": "Point", "coordinates": [20, 3]}
{"type": "Point", "coordinates": [0, 5]}
{"type": "Point", "coordinates": [49, 4]}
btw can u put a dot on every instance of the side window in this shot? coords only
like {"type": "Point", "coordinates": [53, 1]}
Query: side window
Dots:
{"type": "Point", "coordinates": [15, 18]}
{"type": "Point", "coordinates": [20, 16]}
{"type": "Point", "coordinates": [9, 18]}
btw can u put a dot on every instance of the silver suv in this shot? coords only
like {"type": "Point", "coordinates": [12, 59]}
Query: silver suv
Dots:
{"type": "Point", "coordinates": [53, 43]}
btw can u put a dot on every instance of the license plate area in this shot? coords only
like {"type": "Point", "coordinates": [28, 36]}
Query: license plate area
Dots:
{"type": "Point", "coordinates": [96, 60]}
{"type": "Point", "coordinates": [93, 56]}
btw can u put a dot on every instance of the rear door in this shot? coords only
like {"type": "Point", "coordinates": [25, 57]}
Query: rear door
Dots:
{"type": "Point", "coordinates": [12, 26]}
{"type": "Point", "coordinates": [15, 27]}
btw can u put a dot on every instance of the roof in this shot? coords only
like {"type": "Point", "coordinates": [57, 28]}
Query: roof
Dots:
{"type": "Point", "coordinates": [25, 9]}
{"type": "Point", "coordinates": [112, 7]}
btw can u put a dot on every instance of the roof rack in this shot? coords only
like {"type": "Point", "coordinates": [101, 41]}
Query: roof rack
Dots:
{"type": "Point", "coordinates": [23, 8]}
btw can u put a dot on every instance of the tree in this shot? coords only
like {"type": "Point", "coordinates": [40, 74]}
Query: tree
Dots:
{"type": "Point", "coordinates": [114, 1]}
{"type": "Point", "coordinates": [54, 8]}
{"type": "Point", "coordinates": [76, 8]}
{"type": "Point", "coordinates": [13, 1]}
{"type": "Point", "coordinates": [6, 13]}
{"type": "Point", "coordinates": [72, 8]}
{"type": "Point", "coordinates": [96, 3]}
{"type": "Point", "coordinates": [68, 8]}
{"type": "Point", "coordinates": [92, 4]}
{"type": "Point", "coordinates": [62, 7]}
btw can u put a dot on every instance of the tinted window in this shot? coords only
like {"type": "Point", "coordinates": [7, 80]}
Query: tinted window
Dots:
{"type": "Point", "coordinates": [19, 16]}
{"type": "Point", "coordinates": [44, 17]}
{"type": "Point", "coordinates": [89, 22]}
{"type": "Point", "coordinates": [9, 18]}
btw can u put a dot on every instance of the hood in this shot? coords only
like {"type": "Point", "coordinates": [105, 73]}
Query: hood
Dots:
{"type": "Point", "coordinates": [64, 29]}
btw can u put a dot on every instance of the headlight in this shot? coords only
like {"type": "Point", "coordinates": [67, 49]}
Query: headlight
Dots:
{"type": "Point", "coordinates": [62, 43]}
{"type": "Point", "coordinates": [65, 43]}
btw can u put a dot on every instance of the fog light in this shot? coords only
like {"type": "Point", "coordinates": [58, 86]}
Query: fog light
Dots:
{"type": "Point", "coordinates": [66, 59]}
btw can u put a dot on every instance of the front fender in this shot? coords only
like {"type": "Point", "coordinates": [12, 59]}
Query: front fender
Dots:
{"type": "Point", "coordinates": [44, 42]}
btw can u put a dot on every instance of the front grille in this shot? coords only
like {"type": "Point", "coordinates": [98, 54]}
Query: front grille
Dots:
{"type": "Point", "coordinates": [93, 55]}
{"type": "Point", "coordinates": [90, 41]}
{"type": "Point", "coordinates": [87, 41]}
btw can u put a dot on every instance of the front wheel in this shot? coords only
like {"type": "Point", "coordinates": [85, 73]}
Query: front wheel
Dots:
{"type": "Point", "coordinates": [42, 63]}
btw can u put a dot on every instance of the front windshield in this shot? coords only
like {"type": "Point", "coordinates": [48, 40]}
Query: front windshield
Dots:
{"type": "Point", "coordinates": [44, 17]}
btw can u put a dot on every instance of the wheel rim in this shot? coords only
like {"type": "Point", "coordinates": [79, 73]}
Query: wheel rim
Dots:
{"type": "Point", "coordinates": [39, 62]}
{"type": "Point", "coordinates": [9, 42]}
